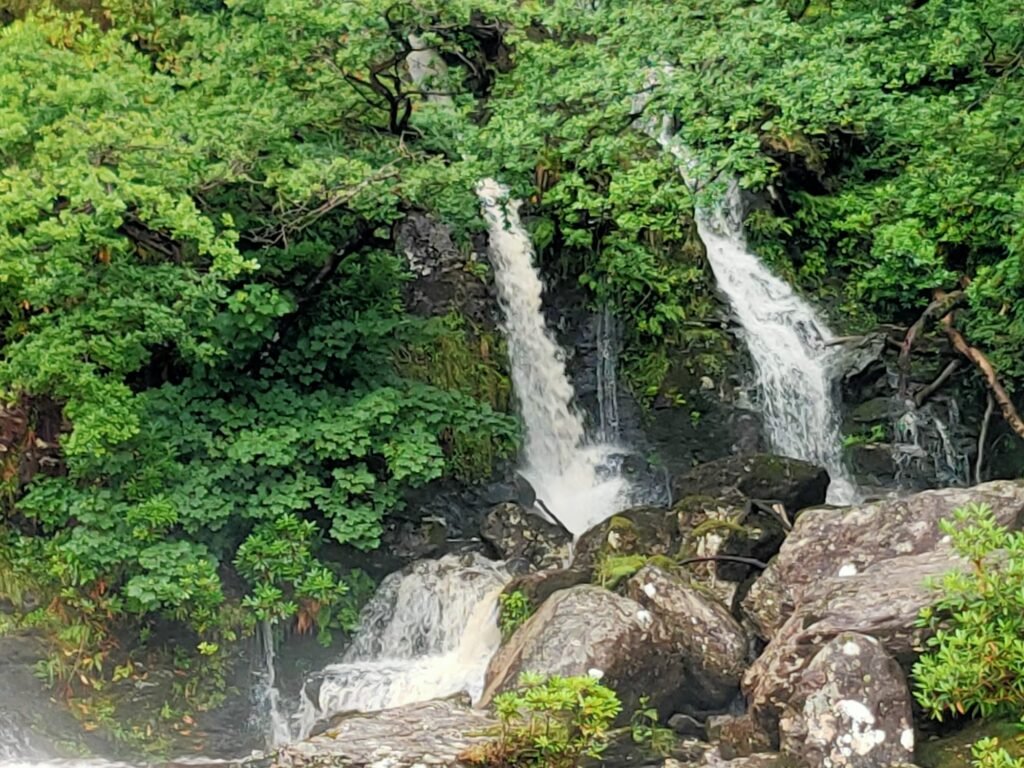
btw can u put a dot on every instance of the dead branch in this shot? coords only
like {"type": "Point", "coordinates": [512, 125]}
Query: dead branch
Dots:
{"type": "Point", "coordinates": [925, 392]}
{"type": "Point", "coordinates": [976, 356]}
{"type": "Point", "coordinates": [942, 305]}
{"type": "Point", "coordinates": [989, 407]}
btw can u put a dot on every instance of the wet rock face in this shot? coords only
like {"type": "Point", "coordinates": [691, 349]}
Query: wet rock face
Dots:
{"type": "Point", "coordinates": [441, 283]}
{"type": "Point", "coordinates": [862, 570]}
{"type": "Point", "coordinates": [793, 483]}
{"type": "Point", "coordinates": [850, 708]}
{"type": "Point", "coordinates": [434, 733]}
{"type": "Point", "coordinates": [828, 544]}
{"type": "Point", "coordinates": [650, 531]}
{"type": "Point", "coordinates": [538, 586]}
{"type": "Point", "coordinates": [699, 630]}
{"type": "Point", "coordinates": [514, 532]}
{"type": "Point", "coordinates": [667, 640]}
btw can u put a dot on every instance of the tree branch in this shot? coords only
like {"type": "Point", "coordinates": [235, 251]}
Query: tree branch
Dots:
{"type": "Point", "coordinates": [925, 392]}
{"type": "Point", "coordinates": [943, 304]}
{"type": "Point", "coordinates": [989, 407]}
{"type": "Point", "coordinates": [975, 355]}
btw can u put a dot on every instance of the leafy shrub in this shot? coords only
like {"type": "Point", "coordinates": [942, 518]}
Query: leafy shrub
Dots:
{"type": "Point", "coordinates": [975, 661]}
{"type": "Point", "coordinates": [515, 609]}
{"type": "Point", "coordinates": [551, 723]}
{"type": "Point", "coordinates": [645, 730]}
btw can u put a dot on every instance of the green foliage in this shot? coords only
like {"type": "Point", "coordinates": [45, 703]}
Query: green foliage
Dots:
{"type": "Point", "coordinates": [515, 609]}
{"type": "Point", "coordinates": [975, 662]}
{"type": "Point", "coordinates": [987, 753]}
{"type": "Point", "coordinates": [198, 268]}
{"type": "Point", "coordinates": [875, 435]}
{"type": "Point", "coordinates": [550, 723]}
{"type": "Point", "coordinates": [470, 361]}
{"type": "Point", "coordinates": [645, 729]}
{"type": "Point", "coordinates": [612, 569]}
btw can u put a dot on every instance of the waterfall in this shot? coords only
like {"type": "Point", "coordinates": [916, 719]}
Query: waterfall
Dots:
{"type": "Point", "coordinates": [608, 342]}
{"type": "Point", "coordinates": [578, 480]}
{"type": "Point", "coordinates": [785, 337]}
{"type": "Point", "coordinates": [428, 632]}
{"type": "Point", "coordinates": [269, 709]}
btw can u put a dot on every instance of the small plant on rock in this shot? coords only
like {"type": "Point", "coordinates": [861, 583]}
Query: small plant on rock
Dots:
{"type": "Point", "coordinates": [645, 730]}
{"type": "Point", "coordinates": [975, 661]}
{"type": "Point", "coordinates": [516, 608]}
{"type": "Point", "coordinates": [549, 723]}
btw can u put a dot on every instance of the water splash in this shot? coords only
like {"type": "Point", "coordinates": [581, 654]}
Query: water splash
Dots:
{"type": "Point", "coordinates": [429, 632]}
{"type": "Point", "coordinates": [577, 480]}
{"type": "Point", "coordinates": [785, 337]}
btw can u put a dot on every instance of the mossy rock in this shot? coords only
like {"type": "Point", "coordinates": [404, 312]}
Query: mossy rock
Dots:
{"type": "Point", "coordinates": [954, 750]}
{"type": "Point", "coordinates": [645, 531]}
{"type": "Point", "coordinates": [540, 585]}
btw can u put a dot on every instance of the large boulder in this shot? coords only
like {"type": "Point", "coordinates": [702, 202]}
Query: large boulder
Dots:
{"type": "Point", "coordinates": [515, 532]}
{"type": "Point", "coordinates": [849, 709]}
{"type": "Point", "coordinates": [862, 570]}
{"type": "Point", "coordinates": [830, 543]}
{"type": "Point", "coordinates": [793, 483]}
{"type": "Point", "coordinates": [671, 643]}
{"type": "Point", "coordinates": [433, 733]}
{"type": "Point", "coordinates": [586, 630]}
{"type": "Point", "coordinates": [698, 630]}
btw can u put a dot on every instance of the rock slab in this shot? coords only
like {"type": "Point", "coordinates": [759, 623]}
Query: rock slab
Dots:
{"type": "Point", "coordinates": [424, 735]}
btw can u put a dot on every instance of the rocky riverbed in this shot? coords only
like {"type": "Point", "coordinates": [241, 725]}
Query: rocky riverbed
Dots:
{"type": "Point", "coordinates": [791, 650]}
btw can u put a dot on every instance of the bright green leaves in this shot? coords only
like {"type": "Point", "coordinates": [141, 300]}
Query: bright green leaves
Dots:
{"type": "Point", "coordinates": [975, 659]}
{"type": "Point", "coordinates": [196, 265]}
{"type": "Point", "coordinates": [550, 723]}
{"type": "Point", "coordinates": [177, 579]}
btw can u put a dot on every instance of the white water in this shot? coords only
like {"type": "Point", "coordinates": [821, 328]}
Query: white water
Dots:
{"type": "Point", "coordinates": [785, 337]}
{"type": "Point", "coordinates": [577, 480]}
{"type": "Point", "coordinates": [608, 342]}
{"type": "Point", "coordinates": [270, 712]}
{"type": "Point", "coordinates": [429, 632]}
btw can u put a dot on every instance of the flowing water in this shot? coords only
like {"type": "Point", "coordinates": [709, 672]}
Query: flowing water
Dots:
{"type": "Point", "coordinates": [577, 479]}
{"type": "Point", "coordinates": [269, 711]}
{"type": "Point", "coordinates": [609, 341]}
{"type": "Point", "coordinates": [429, 632]}
{"type": "Point", "coordinates": [795, 383]}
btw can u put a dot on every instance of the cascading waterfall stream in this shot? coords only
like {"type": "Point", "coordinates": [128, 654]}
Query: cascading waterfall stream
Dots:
{"type": "Point", "coordinates": [608, 343]}
{"type": "Point", "coordinates": [269, 707]}
{"type": "Point", "coordinates": [785, 337]}
{"type": "Point", "coordinates": [428, 632]}
{"type": "Point", "coordinates": [576, 479]}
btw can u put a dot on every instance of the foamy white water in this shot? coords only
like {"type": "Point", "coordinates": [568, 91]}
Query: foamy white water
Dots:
{"type": "Point", "coordinates": [429, 632]}
{"type": "Point", "coordinates": [576, 480]}
{"type": "Point", "coordinates": [786, 339]}
{"type": "Point", "coordinates": [270, 710]}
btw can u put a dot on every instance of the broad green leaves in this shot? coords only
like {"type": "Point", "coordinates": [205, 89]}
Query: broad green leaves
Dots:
{"type": "Point", "coordinates": [196, 265]}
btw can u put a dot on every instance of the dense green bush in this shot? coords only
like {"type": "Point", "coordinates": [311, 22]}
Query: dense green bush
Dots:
{"type": "Point", "coordinates": [975, 659]}
{"type": "Point", "coordinates": [549, 723]}
{"type": "Point", "coordinates": [514, 608]}
{"type": "Point", "coordinates": [198, 275]}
